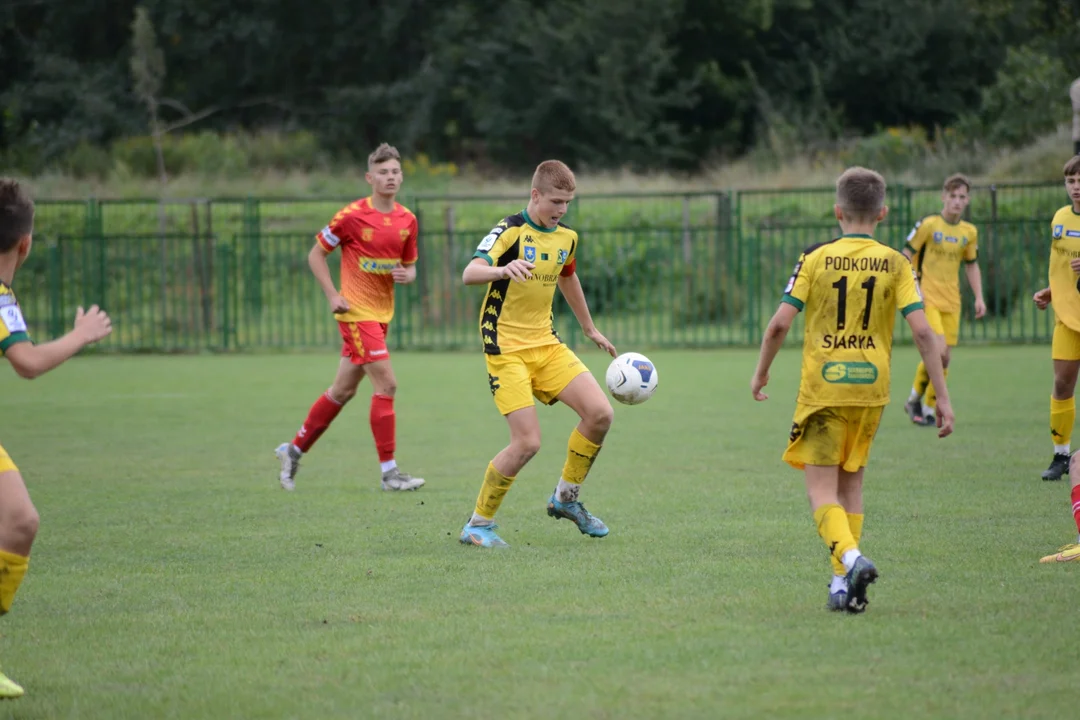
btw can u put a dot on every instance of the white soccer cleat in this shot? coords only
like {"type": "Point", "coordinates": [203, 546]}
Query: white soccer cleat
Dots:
{"type": "Point", "coordinates": [397, 480]}
{"type": "Point", "coordinates": [289, 456]}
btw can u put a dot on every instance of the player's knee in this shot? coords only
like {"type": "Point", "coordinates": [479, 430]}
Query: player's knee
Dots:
{"type": "Point", "coordinates": [388, 388]}
{"type": "Point", "coordinates": [526, 448]}
{"type": "Point", "coordinates": [1064, 388]}
{"type": "Point", "coordinates": [23, 523]}
{"type": "Point", "coordinates": [600, 417]}
{"type": "Point", "coordinates": [342, 395]}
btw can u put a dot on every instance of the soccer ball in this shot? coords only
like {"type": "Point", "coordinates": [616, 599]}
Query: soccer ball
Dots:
{"type": "Point", "coordinates": [631, 378]}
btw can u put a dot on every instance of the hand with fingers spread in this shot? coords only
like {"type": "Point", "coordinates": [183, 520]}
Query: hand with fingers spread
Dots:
{"type": "Point", "coordinates": [93, 324]}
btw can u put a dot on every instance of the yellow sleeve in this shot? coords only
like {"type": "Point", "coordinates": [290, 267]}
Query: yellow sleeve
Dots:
{"type": "Point", "coordinates": [917, 237]}
{"type": "Point", "coordinates": [496, 242]}
{"type": "Point", "coordinates": [971, 252]}
{"type": "Point", "coordinates": [908, 295]}
{"type": "Point", "coordinates": [797, 290]}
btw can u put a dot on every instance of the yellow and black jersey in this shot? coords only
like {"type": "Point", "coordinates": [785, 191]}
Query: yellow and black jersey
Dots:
{"type": "Point", "coordinates": [1064, 282]}
{"type": "Point", "coordinates": [850, 289]}
{"type": "Point", "coordinates": [517, 315]}
{"type": "Point", "coordinates": [937, 249]}
{"type": "Point", "coordinates": [12, 324]}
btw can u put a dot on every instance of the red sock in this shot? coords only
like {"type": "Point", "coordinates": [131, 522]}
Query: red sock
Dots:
{"type": "Point", "coordinates": [382, 425]}
{"type": "Point", "coordinates": [1076, 506]}
{"type": "Point", "coordinates": [319, 417]}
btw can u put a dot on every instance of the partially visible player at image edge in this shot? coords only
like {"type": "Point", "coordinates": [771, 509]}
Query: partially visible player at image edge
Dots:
{"type": "Point", "coordinates": [377, 236]}
{"type": "Point", "coordinates": [18, 516]}
{"type": "Point", "coordinates": [1064, 292]}
{"type": "Point", "coordinates": [851, 289]}
{"type": "Point", "coordinates": [522, 260]}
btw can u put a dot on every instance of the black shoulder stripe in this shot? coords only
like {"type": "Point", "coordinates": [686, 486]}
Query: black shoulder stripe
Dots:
{"type": "Point", "coordinates": [516, 220]}
{"type": "Point", "coordinates": [815, 246]}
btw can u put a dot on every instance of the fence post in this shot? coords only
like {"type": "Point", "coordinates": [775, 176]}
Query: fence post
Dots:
{"type": "Point", "coordinates": [225, 291]}
{"type": "Point", "coordinates": [56, 296]}
{"type": "Point", "coordinates": [252, 258]}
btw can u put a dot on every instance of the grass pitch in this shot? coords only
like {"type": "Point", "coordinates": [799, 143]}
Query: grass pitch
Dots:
{"type": "Point", "coordinates": [173, 579]}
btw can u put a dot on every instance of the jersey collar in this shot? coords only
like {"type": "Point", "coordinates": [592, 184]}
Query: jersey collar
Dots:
{"type": "Point", "coordinates": [534, 226]}
{"type": "Point", "coordinates": [864, 236]}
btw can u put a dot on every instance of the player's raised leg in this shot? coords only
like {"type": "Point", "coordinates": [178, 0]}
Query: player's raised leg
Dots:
{"type": "Point", "coordinates": [1070, 552]}
{"type": "Point", "coordinates": [585, 397]}
{"type": "Point", "coordinates": [1062, 413]}
{"type": "Point", "coordinates": [849, 493]}
{"type": "Point", "coordinates": [499, 476]}
{"type": "Point", "coordinates": [18, 528]}
{"type": "Point", "coordinates": [831, 519]}
{"type": "Point", "coordinates": [384, 427]}
{"type": "Point", "coordinates": [322, 413]}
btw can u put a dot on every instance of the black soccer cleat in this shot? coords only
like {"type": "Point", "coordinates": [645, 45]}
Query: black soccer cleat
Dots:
{"type": "Point", "coordinates": [1059, 467]}
{"type": "Point", "coordinates": [913, 408]}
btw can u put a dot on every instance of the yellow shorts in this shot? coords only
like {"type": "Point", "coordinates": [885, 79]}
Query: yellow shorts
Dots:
{"type": "Point", "coordinates": [832, 436]}
{"type": "Point", "coordinates": [1066, 343]}
{"type": "Point", "coordinates": [943, 323]}
{"type": "Point", "coordinates": [542, 372]}
{"type": "Point", "coordinates": [6, 465]}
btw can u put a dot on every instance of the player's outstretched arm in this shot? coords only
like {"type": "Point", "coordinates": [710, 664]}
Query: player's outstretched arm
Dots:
{"type": "Point", "coordinates": [31, 360]}
{"type": "Point", "coordinates": [771, 342]}
{"type": "Point", "coordinates": [927, 342]}
{"type": "Point", "coordinates": [570, 287]}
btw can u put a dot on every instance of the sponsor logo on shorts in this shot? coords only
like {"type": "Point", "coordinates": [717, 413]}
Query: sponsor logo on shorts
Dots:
{"type": "Point", "coordinates": [378, 353]}
{"type": "Point", "coordinates": [849, 373]}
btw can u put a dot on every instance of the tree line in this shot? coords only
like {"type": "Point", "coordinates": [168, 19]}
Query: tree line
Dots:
{"type": "Point", "coordinates": [502, 83]}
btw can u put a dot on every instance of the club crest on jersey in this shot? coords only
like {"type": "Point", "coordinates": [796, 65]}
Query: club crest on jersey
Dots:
{"type": "Point", "coordinates": [563, 254]}
{"type": "Point", "coordinates": [1058, 230]}
{"type": "Point", "coordinates": [404, 234]}
{"type": "Point", "coordinates": [367, 234]}
{"type": "Point", "coordinates": [530, 253]}
{"type": "Point", "coordinates": [938, 237]}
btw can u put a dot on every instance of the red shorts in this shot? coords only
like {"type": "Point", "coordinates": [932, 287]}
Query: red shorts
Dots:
{"type": "Point", "coordinates": [364, 342]}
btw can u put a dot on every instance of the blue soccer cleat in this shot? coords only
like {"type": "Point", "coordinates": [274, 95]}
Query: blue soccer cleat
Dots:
{"type": "Point", "coordinates": [586, 522]}
{"type": "Point", "coordinates": [481, 536]}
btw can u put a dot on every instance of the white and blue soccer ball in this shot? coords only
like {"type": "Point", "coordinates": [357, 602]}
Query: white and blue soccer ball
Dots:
{"type": "Point", "coordinates": [631, 378]}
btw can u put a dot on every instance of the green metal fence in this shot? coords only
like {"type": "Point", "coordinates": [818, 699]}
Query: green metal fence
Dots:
{"type": "Point", "coordinates": [683, 269]}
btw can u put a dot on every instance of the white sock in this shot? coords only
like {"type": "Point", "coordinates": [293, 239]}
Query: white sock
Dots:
{"type": "Point", "coordinates": [478, 521]}
{"type": "Point", "coordinates": [839, 584]}
{"type": "Point", "coordinates": [567, 492]}
{"type": "Point", "coordinates": [298, 450]}
{"type": "Point", "coordinates": [388, 465]}
{"type": "Point", "coordinates": [915, 395]}
{"type": "Point", "coordinates": [927, 411]}
{"type": "Point", "coordinates": [1061, 449]}
{"type": "Point", "coordinates": [850, 557]}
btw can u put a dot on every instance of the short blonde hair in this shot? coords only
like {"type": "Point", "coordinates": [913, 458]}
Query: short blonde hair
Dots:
{"type": "Point", "coordinates": [381, 154]}
{"type": "Point", "coordinates": [553, 175]}
{"type": "Point", "coordinates": [1072, 167]}
{"type": "Point", "coordinates": [956, 180]}
{"type": "Point", "coordinates": [860, 193]}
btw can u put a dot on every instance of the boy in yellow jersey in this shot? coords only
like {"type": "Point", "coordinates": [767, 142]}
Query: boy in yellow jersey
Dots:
{"type": "Point", "coordinates": [18, 517]}
{"type": "Point", "coordinates": [937, 246]}
{"type": "Point", "coordinates": [1064, 291]}
{"type": "Point", "coordinates": [522, 260]}
{"type": "Point", "coordinates": [850, 288]}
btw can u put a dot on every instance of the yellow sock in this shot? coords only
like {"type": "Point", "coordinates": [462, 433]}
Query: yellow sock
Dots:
{"type": "Point", "coordinates": [931, 396]}
{"type": "Point", "coordinates": [12, 571]}
{"type": "Point", "coordinates": [855, 525]}
{"type": "Point", "coordinates": [492, 492]}
{"type": "Point", "coordinates": [580, 454]}
{"type": "Point", "coordinates": [1062, 416]}
{"type": "Point", "coordinates": [922, 379]}
{"type": "Point", "coordinates": [832, 526]}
